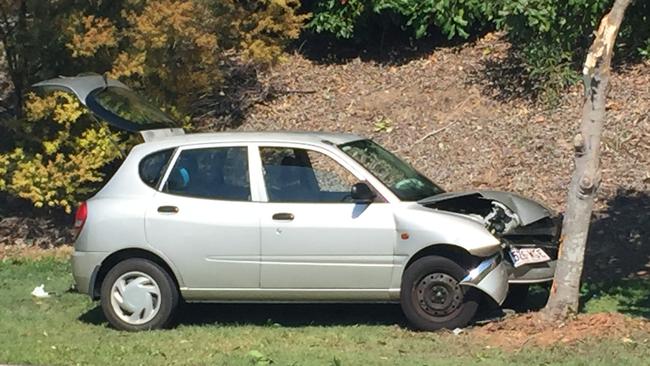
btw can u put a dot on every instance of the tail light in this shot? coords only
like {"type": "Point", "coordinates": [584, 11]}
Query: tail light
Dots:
{"type": "Point", "coordinates": [80, 219]}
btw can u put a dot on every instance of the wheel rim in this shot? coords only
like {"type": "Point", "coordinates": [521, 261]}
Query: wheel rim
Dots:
{"type": "Point", "coordinates": [135, 298]}
{"type": "Point", "coordinates": [438, 294]}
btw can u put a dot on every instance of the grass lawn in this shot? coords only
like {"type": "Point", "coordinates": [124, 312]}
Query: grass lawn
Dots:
{"type": "Point", "coordinates": [69, 329]}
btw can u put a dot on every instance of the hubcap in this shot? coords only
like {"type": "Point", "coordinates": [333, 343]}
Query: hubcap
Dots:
{"type": "Point", "coordinates": [438, 294]}
{"type": "Point", "coordinates": [135, 298]}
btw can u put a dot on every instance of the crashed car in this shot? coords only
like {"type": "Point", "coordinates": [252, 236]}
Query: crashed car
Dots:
{"type": "Point", "coordinates": [290, 216]}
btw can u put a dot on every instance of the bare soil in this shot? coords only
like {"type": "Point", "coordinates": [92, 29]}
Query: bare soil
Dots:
{"type": "Point", "coordinates": [521, 330]}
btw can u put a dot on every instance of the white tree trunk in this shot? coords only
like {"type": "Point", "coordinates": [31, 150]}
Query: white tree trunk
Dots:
{"type": "Point", "coordinates": [565, 293]}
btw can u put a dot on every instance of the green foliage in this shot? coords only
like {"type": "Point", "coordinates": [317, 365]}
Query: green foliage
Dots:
{"type": "Point", "coordinates": [173, 50]}
{"type": "Point", "coordinates": [453, 17]}
{"type": "Point", "coordinates": [337, 17]}
{"type": "Point", "coordinates": [552, 37]}
{"type": "Point", "coordinates": [629, 296]}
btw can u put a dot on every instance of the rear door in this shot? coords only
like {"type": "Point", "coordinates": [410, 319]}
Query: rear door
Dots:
{"type": "Point", "coordinates": [116, 104]}
{"type": "Point", "coordinates": [205, 220]}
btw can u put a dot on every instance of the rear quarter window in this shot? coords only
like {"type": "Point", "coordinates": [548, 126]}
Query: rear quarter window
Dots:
{"type": "Point", "coordinates": [153, 166]}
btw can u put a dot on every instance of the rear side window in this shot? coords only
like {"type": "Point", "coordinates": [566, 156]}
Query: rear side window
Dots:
{"type": "Point", "coordinates": [214, 173]}
{"type": "Point", "coordinates": [152, 167]}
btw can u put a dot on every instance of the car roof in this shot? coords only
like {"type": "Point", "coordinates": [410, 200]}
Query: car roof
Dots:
{"type": "Point", "coordinates": [314, 138]}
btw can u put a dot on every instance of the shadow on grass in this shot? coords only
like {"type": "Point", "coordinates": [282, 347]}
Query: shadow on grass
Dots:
{"type": "Point", "coordinates": [616, 276]}
{"type": "Point", "coordinates": [286, 315]}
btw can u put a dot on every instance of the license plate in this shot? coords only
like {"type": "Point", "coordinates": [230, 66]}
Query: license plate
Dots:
{"type": "Point", "coordinates": [521, 256]}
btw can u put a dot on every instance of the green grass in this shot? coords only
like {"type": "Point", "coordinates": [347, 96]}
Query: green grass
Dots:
{"type": "Point", "coordinates": [628, 296]}
{"type": "Point", "coordinates": [69, 329]}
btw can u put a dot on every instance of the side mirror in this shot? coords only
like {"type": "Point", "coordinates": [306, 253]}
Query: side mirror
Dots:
{"type": "Point", "coordinates": [361, 193]}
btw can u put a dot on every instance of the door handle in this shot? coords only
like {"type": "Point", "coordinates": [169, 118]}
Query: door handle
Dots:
{"type": "Point", "coordinates": [168, 209]}
{"type": "Point", "coordinates": [283, 216]}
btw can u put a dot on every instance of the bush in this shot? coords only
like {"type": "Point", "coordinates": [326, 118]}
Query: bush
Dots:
{"type": "Point", "coordinates": [62, 161]}
{"type": "Point", "coordinates": [549, 38]}
{"type": "Point", "coordinates": [353, 18]}
{"type": "Point", "coordinates": [53, 153]}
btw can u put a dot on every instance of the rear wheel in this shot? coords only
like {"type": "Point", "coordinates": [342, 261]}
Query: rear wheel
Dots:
{"type": "Point", "coordinates": [432, 298]}
{"type": "Point", "coordinates": [138, 294]}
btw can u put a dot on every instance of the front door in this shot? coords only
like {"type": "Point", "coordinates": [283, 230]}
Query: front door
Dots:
{"type": "Point", "coordinates": [205, 221]}
{"type": "Point", "coordinates": [313, 235]}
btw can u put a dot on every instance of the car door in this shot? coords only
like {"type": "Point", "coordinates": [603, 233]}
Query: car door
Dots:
{"type": "Point", "coordinates": [313, 235]}
{"type": "Point", "coordinates": [205, 220]}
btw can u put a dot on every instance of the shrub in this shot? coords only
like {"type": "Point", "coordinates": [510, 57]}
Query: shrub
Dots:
{"type": "Point", "coordinates": [348, 18]}
{"type": "Point", "coordinates": [62, 161]}
{"type": "Point", "coordinates": [55, 154]}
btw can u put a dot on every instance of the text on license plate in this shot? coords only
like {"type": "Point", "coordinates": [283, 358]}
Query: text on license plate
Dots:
{"type": "Point", "coordinates": [521, 256]}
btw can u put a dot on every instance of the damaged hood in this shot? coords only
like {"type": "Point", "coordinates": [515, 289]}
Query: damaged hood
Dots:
{"type": "Point", "coordinates": [526, 209]}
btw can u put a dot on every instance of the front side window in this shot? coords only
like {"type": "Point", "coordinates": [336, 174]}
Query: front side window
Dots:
{"type": "Point", "coordinates": [153, 166]}
{"type": "Point", "coordinates": [404, 181]}
{"type": "Point", "coordinates": [215, 173]}
{"type": "Point", "coordinates": [299, 175]}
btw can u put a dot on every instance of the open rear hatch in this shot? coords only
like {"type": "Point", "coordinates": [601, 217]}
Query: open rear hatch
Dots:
{"type": "Point", "coordinates": [113, 102]}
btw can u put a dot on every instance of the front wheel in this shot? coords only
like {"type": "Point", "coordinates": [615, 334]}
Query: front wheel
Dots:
{"type": "Point", "coordinates": [432, 298]}
{"type": "Point", "coordinates": [138, 294]}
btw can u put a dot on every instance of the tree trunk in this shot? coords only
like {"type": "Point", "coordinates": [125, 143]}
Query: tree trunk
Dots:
{"type": "Point", "coordinates": [565, 293]}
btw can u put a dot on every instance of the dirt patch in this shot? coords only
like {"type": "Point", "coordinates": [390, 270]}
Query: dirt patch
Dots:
{"type": "Point", "coordinates": [21, 252]}
{"type": "Point", "coordinates": [521, 330]}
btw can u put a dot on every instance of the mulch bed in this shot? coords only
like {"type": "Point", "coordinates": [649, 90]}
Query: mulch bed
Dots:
{"type": "Point", "coordinates": [37, 232]}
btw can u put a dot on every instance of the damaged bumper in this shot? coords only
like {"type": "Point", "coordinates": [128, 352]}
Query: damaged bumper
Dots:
{"type": "Point", "coordinates": [531, 273]}
{"type": "Point", "coordinates": [491, 277]}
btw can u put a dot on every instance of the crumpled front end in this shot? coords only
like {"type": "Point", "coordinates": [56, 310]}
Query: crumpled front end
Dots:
{"type": "Point", "coordinates": [491, 277]}
{"type": "Point", "coordinates": [529, 232]}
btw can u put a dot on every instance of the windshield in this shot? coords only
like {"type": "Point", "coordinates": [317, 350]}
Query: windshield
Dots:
{"type": "Point", "coordinates": [407, 183]}
{"type": "Point", "coordinates": [126, 110]}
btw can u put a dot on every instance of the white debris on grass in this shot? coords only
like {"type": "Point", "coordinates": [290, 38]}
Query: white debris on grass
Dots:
{"type": "Point", "coordinates": [457, 331]}
{"type": "Point", "coordinates": [39, 292]}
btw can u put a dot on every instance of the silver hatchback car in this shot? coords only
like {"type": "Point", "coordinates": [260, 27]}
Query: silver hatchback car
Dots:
{"type": "Point", "coordinates": [281, 217]}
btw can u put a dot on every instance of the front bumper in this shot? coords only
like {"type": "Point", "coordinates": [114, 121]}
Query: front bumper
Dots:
{"type": "Point", "coordinates": [491, 277]}
{"type": "Point", "coordinates": [531, 273]}
{"type": "Point", "coordinates": [85, 266]}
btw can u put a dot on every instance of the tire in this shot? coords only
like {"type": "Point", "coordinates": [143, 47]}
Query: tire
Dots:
{"type": "Point", "coordinates": [431, 298]}
{"type": "Point", "coordinates": [138, 294]}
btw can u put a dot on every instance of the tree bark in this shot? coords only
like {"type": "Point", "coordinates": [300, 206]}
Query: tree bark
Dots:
{"type": "Point", "coordinates": [565, 292]}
